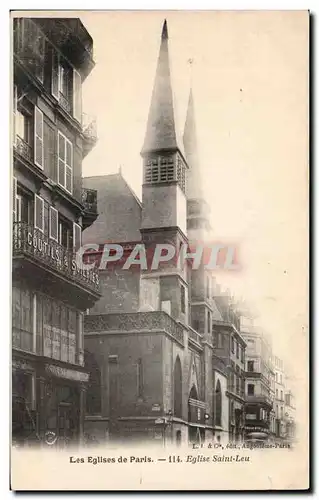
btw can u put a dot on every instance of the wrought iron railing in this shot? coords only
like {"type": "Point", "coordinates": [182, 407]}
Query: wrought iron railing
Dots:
{"type": "Point", "coordinates": [89, 200]}
{"type": "Point", "coordinates": [65, 103]}
{"type": "Point", "coordinates": [31, 241]}
{"type": "Point", "coordinates": [89, 127]}
{"type": "Point", "coordinates": [153, 320]}
{"type": "Point", "coordinates": [23, 148]}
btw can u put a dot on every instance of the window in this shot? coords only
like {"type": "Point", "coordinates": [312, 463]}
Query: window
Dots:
{"type": "Point", "coordinates": [23, 208]}
{"type": "Point", "coordinates": [237, 385]}
{"type": "Point", "coordinates": [77, 96]}
{"type": "Point", "coordinates": [65, 163]}
{"type": "Point", "coordinates": [276, 393]}
{"type": "Point", "coordinates": [77, 235]}
{"type": "Point", "coordinates": [53, 225]}
{"type": "Point", "coordinates": [250, 366]}
{"type": "Point", "coordinates": [232, 345]}
{"type": "Point", "coordinates": [63, 84]}
{"type": "Point", "coordinates": [209, 322]}
{"type": "Point", "coordinates": [65, 234]}
{"type": "Point", "coordinates": [181, 178]}
{"type": "Point", "coordinates": [39, 213]}
{"type": "Point", "coordinates": [281, 412]}
{"type": "Point", "coordinates": [242, 357]}
{"type": "Point", "coordinates": [251, 389]}
{"type": "Point", "coordinates": [281, 396]}
{"type": "Point", "coordinates": [182, 299]}
{"type": "Point", "coordinates": [151, 171]}
{"type": "Point", "coordinates": [93, 396]}
{"type": "Point", "coordinates": [178, 388]}
{"type": "Point", "coordinates": [38, 137]}
{"type": "Point", "coordinates": [237, 350]}
{"type": "Point", "coordinates": [140, 380]}
{"type": "Point", "coordinates": [14, 199]}
{"type": "Point", "coordinates": [59, 330]}
{"type": "Point", "coordinates": [166, 168]}
{"type": "Point", "coordinates": [220, 340]}
{"type": "Point", "coordinates": [23, 125]}
{"type": "Point", "coordinates": [218, 405]}
{"type": "Point", "coordinates": [207, 287]}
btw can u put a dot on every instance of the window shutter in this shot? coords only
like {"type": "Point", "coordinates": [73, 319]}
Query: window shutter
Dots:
{"type": "Point", "coordinates": [15, 103]}
{"type": "Point", "coordinates": [55, 75]}
{"type": "Point", "coordinates": [68, 167]}
{"type": "Point", "coordinates": [53, 227]}
{"type": "Point", "coordinates": [61, 159]}
{"type": "Point", "coordinates": [14, 199]}
{"type": "Point", "coordinates": [77, 96]}
{"type": "Point", "coordinates": [77, 233]}
{"type": "Point", "coordinates": [38, 137]}
{"type": "Point", "coordinates": [39, 213]}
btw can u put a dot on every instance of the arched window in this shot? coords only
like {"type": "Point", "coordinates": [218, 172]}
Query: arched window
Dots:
{"type": "Point", "coordinates": [218, 405]}
{"type": "Point", "coordinates": [93, 395]}
{"type": "Point", "coordinates": [178, 388]}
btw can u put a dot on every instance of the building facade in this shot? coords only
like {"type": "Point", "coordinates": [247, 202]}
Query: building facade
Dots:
{"type": "Point", "coordinates": [259, 372]}
{"type": "Point", "coordinates": [149, 340]}
{"type": "Point", "coordinates": [50, 291]}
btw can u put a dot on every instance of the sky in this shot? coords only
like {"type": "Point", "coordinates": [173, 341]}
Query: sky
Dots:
{"type": "Point", "coordinates": [250, 83]}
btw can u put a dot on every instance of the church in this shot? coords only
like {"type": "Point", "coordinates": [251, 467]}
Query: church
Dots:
{"type": "Point", "coordinates": [163, 346]}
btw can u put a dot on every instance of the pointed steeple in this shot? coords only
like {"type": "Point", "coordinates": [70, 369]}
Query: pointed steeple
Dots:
{"type": "Point", "coordinates": [160, 131]}
{"type": "Point", "coordinates": [194, 181]}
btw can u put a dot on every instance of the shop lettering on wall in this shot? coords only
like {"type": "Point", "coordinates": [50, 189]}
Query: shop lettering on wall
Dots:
{"type": "Point", "coordinates": [59, 371]}
{"type": "Point", "coordinates": [59, 257]}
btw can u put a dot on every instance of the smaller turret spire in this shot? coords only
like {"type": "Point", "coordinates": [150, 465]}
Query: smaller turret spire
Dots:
{"type": "Point", "coordinates": [194, 184]}
{"type": "Point", "coordinates": [165, 31]}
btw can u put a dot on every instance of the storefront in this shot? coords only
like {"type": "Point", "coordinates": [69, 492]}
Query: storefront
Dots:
{"type": "Point", "coordinates": [48, 399]}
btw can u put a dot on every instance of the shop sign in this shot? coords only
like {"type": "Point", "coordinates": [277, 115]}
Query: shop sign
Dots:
{"type": "Point", "coordinates": [59, 371]}
{"type": "Point", "coordinates": [60, 257]}
{"type": "Point", "coordinates": [156, 407]}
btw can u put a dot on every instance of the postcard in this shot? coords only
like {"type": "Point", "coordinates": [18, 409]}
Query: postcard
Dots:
{"type": "Point", "coordinates": [160, 250]}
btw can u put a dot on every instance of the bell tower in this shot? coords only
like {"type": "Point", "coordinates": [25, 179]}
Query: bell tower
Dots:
{"type": "Point", "coordinates": [164, 212]}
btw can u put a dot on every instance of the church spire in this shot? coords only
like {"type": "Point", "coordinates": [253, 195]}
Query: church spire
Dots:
{"type": "Point", "coordinates": [194, 181]}
{"type": "Point", "coordinates": [194, 192]}
{"type": "Point", "coordinates": [160, 130]}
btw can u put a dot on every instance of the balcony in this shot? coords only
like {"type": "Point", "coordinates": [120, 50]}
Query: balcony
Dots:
{"type": "Point", "coordinates": [89, 201]}
{"type": "Point", "coordinates": [53, 266]}
{"type": "Point", "coordinates": [23, 148]}
{"type": "Point", "coordinates": [258, 399]}
{"type": "Point", "coordinates": [157, 321]}
{"type": "Point", "coordinates": [194, 336]}
{"type": "Point", "coordinates": [89, 133]}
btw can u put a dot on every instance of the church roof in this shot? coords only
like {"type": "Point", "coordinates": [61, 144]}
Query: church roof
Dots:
{"type": "Point", "coordinates": [119, 211]}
